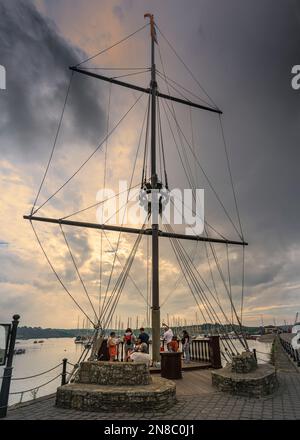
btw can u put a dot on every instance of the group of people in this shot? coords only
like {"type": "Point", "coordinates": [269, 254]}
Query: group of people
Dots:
{"type": "Point", "coordinates": [137, 349]}
{"type": "Point", "coordinates": [172, 342]}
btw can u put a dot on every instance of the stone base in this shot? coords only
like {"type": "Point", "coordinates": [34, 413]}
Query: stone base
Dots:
{"type": "Point", "coordinates": [258, 383]}
{"type": "Point", "coordinates": [113, 373]}
{"type": "Point", "coordinates": [159, 395]}
{"type": "Point", "coordinates": [244, 363]}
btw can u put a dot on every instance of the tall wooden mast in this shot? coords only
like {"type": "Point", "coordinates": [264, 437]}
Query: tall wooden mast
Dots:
{"type": "Point", "coordinates": [154, 205]}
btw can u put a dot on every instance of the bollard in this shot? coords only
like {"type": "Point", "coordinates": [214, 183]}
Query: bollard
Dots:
{"type": "Point", "coordinates": [4, 393]}
{"type": "Point", "coordinates": [215, 352]}
{"type": "Point", "coordinates": [254, 353]}
{"type": "Point", "coordinates": [64, 372]}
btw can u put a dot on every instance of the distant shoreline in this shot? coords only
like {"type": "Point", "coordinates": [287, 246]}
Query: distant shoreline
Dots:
{"type": "Point", "coordinates": [46, 333]}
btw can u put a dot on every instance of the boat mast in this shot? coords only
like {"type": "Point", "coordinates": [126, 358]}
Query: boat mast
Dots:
{"type": "Point", "coordinates": [154, 205]}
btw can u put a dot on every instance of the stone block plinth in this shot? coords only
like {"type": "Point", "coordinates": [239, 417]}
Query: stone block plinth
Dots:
{"type": "Point", "coordinates": [159, 395]}
{"type": "Point", "coordinates": [113, 373]}
{"type": "Point", "coordinates": [116, 386]}
{"type": "Point", "coordinates": [244, 363]}
{"type": "Point", "coordinates": [258, 383]}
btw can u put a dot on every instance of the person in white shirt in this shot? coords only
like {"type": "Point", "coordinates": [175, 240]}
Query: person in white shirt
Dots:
{"type": "Point", "coordinates": [168, 335]}
{"type": "Point", "coordinates": [141, 355]}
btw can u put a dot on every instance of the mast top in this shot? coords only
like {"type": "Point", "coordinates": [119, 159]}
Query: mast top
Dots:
{"type": "Point", "coordinates": [152, 26]}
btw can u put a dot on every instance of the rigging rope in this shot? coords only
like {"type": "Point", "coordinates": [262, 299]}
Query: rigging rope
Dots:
{"type": "Point", "coordinates": [148, 285]}
{"type": "Point", "coordinates": [229, 281]}
{"type": "Point", "coordinates": [90, 156]}
{"type": "Point", "coordinates": [187, 68]}
{"type": "Point", "coordinates": [132, 280]}
{"type": "Point", "coordinates": [237, 212]}
{"type": "Point", "coordinates": [113, 45]}
{"type": "Point", "coordinates": [175, 88]}
{"type": "Point", "coordinates": [127, 199]}
{"type": "Point", "coordinates": [128, 268]}
{"type": "Point", "coordinates": [179, 130]}
{"type": "Point", "coordinates": [231, 178]}
{"type": "Point", "coordinates": [162, 144]}
{"type": "Point", "coordinates": [168, 80]}
{"type": "Point", "coordinates": [193, 145]}
{"type": "Point", "coordinates": [205, 175]}
{"type": "Point", "coordinates": [54, 144]}
{"type": "Point", "coordinates": [177, 282]}
{"type": "Point", "coordinates": [109, 308]}
{"type": "Point", "coordinates": [57, 276]}
{"type": "Point", "coordinates": [130, 74]}
{"type": "Point", "coordinates": [114, 68]}
{"type": "Point", "coordinates": [104, 186]}
{"type": "Point", "coordinates": [145, 160]}
{"type": "Point", "coordinates": [99, 203]}
{"type": "Point", "coordinates": [181, 254]}
{"type": "Point", "coordinates": [243, 283]}
{"type": "Point", "coordinates": [207, 287]}
{"type": "Point", "coordinates": [226, 288]}
{"type": "Point", "coordinates": [77, 270]}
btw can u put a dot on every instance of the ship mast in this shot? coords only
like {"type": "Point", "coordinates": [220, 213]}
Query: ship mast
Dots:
{"type": "Point", "coordinates": [155, 185]}
{"type": "Point", "coordinates": [154, 204]}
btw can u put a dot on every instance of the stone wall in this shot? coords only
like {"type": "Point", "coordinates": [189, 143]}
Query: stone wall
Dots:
{"type": "Point", "coordinates": [159, 395]}
{"type": "Point", "coordinates": [113, 373]}
{"type": "Point", "coordinates": [244, 363]}
{"type": "Point", "coordinates": [116, 386]}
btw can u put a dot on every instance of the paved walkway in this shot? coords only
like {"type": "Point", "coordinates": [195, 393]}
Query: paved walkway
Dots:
{"type": "Point", "coordinates": [193, 404]}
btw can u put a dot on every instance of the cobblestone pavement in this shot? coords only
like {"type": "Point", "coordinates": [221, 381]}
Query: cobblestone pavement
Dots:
{"type": "Point", "coordinates": [284, 404]}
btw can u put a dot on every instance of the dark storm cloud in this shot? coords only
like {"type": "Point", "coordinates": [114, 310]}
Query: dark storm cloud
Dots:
{"type": "Point", "coordinates": [255, 46]}
{"type": "Point", "coordinates": [243, 53]}
{"type": "Point", "coordinates": [246, 52]}
{"type": "Point", "coordinates": [36, 59]}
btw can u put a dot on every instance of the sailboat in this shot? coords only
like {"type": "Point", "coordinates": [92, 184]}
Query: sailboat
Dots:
{"type": "Point", "coordinates": [155, 194]}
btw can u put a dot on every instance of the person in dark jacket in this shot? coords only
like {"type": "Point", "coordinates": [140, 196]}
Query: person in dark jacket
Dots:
{"type": "Point", "coordinates": [129, 340]}
{"type": "Point", "coordinates": [186, 346]}
{"type": "Point", "coordinates": [144, 337]}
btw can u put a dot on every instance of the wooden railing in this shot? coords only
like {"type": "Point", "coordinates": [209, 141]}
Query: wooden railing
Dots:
{"type": "Point", "coordinates": [199, 350]}
{"type": "Point", "coordinates": [206, 350]}
{"type": "Point", "coordinates": [285, 340]}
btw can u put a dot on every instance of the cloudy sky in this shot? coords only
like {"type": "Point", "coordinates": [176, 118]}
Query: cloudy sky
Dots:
{"type": "Point", "coordinates": [242, 53]}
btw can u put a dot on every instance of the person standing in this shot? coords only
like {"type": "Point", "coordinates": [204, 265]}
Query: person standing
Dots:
{"type": "Point", "coordinates": [112, 347]}
{"type": "Point", "coordinates": [144, 338]}
{"type": "Point", "coordinates": [174, 346]}
{"type": "Point", "coordinates": [186, 346]}
{"type": "Point", "coordinates": [129, 340]}
{"type": "Point", "coordinates": [167, 336]}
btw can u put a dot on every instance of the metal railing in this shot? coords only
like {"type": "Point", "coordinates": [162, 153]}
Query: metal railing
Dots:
{"type": "Point", "coordinates": [294, 354]}
{"type": "Point", "coordinates": [34, 390]}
